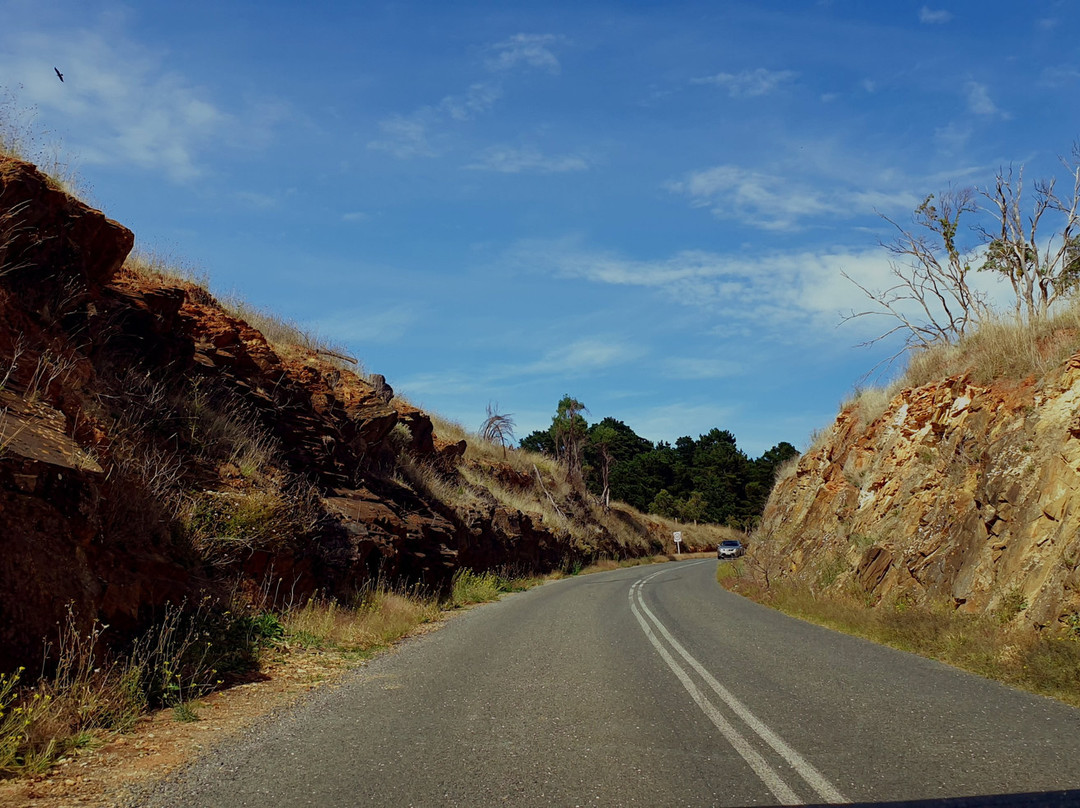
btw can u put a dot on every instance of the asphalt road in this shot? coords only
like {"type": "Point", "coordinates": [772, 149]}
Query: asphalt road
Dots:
{"type": "Point", "coordinates": [647, 686]}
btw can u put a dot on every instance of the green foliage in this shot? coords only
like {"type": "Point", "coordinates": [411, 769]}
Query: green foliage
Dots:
{"type": "Point", "coordinates": [185, 713]}
{"type": "Point", "coordinates": [707, 480]}
{"type": "Point", "coordinates": [1012, 603]}
{"type": "Point", "coordinates": [664, 504]}
{"type": "Point", "coordinates": [470, 587]}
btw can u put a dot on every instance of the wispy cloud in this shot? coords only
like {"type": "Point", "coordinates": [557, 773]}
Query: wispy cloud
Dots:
{"type": "Point", "coordinates": [260, 200]}
{"type": "Point", "coordinates": [775, 201]}
{"type": "Point", "coordinates": [418, 133]}
{"type": "Point", "coordinates": [584, 356]}
{"type": "Point", "coordinates": [953, 138]}
{"type": "Point", "coordinates": [796, 297]}
{"type": "Point", "coordinates": [783, 287]}
{"type": "Point", "coordinates": [532, 50]}
{"type": "Point", "coordinates": [979, 101]}
{"type": "Point", "coordinates": [360, 326]}
{"type": "Point", "coordinates": [931, 16]}
{"type": "Point", "coordinates": [355, 216]}
{"type": "Point", "coordinates": [479, 98]}
{"type": "Point", "coordinates": [701, 368]}
{"type": "Point", "coordinates": [404, 136]}
{"type": "Point", "coordinates": [1059, 75]}
{"type": "Point", "coordinates": [748, 83]}
{"type": "Point", "coordinates": [510, 160]}
{"type": "Point", "coordinates": [126, 109]}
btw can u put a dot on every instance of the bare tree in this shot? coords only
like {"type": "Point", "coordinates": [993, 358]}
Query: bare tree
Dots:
{"type": "Point", "coordinates": [498, 427]}
{"type": "Point", "coordinates": [1040, 272]}
{"type": "Point", "coordinates": [931, 301]}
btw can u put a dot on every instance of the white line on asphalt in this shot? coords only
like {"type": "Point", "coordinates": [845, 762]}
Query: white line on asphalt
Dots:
{"type": "Point", "coordinates": [761, 767]}
{"type": "Point", "coordinates": [812, 776]}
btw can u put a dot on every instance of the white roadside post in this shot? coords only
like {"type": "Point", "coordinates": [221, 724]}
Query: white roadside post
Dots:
{"type": "Point", "coordinates": [678, 541]}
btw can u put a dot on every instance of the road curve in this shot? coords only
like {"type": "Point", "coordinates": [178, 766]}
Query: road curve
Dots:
{"type": "Point", "coordinates": [648, 686]}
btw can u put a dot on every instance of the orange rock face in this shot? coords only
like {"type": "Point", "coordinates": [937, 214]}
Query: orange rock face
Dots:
{"type": "Point", "coordinates": [154, 447]}
{"type": "Point", "coordinates": [956, 492]}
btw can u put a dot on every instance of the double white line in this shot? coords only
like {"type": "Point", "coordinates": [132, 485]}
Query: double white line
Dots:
{"type": "Point", "coordinates": [768, 775]}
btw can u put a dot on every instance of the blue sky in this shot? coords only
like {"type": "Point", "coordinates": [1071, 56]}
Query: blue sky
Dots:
{"type": "Point", "coordinates": [645, 205]}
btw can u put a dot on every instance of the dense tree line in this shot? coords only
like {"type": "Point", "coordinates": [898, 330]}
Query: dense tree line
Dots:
{"type": "Point", "coordinates": [709, 479]}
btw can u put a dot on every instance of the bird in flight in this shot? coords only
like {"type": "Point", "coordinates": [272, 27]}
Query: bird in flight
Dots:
{"type": "Point", "coordinates": [58, 73]}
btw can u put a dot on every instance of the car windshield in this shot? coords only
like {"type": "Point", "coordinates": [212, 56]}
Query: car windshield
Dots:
{"type": "Point", "coordinates": [730, 543]}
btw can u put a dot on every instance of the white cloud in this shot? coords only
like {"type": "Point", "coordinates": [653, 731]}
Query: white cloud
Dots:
{"type": "Point", "coordinates": [748, 83]}
{"type": "Point", "coordinates": [123, 108]}
{"type": "Point", "coordinates": [360, 326]}
{"type": "Point", "coordinates": [584, 355]}
{"type": "Point", "coordinates": [979, 101]}
{"type": "Point", "coordinates": [509, 160]}
{"type": "Point", "coordinates": [404, 137]}
{"type": "Point", "coordinates": [533, 50]}
{"type": "Point", "coordinates": [952, 139]}
{"type": "Point", "coordinates": [479, 98]}
{"type": "Point", "coordinates": [259, 200]}
{"type": "Point", "coordinates": [777, 202]}
{"type": "Point", "coordinates": [934, 16]}
{"type": "Point", "coordinates": [1059, 76]}
{"type": "Point", "coordinates": [784, 288]}
{"type": "Point", "coordinates": [355, 216]}
{"type": "Point", "coordinates": [701, 368]}
{"type": "Point", "coordinates": [794, 297]}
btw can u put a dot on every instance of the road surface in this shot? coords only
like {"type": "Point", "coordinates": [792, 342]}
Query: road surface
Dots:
{"type": "Point", "coordinates": [648, 686]}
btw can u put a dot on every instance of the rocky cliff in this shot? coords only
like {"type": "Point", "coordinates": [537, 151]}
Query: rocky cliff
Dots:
{"type": "Point", "coordinates": [154, 447]}
{"type": "Point", "coordinates": [956, 493]}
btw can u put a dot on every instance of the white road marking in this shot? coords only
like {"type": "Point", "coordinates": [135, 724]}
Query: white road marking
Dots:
{"type": "Point", "coordinates": [761, 767]}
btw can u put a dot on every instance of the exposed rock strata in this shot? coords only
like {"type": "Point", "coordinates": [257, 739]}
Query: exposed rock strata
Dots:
{"type": "Point", "coordinates": [141, 424]}
{"type": "Point", "coordinates": [957, 492]}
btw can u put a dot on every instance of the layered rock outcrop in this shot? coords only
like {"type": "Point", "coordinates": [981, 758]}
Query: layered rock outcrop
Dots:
{"type": "Point", "coordinates": [154, 447]}
{"type": "Point", "coordinates": [957, 493]}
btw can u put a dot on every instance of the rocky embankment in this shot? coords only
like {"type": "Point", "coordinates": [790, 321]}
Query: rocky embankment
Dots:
{"type": "Point", "coordinates": [154, 448]}
{"type": "Point", "coordinates": [957, 493]}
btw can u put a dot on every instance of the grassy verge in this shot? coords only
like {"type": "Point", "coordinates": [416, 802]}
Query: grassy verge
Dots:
{"type": "Point", "coordinates": [981, 644]}
{"type": "Point", "coordinates": [89, 698]}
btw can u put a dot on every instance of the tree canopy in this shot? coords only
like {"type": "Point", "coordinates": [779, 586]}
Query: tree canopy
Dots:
{"type": "Point", "coordinates": [708, 479]}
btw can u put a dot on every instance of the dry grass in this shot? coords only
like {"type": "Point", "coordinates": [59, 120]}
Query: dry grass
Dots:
{"type": "Point", "coordinates": [24, 139]}
{"type": "Point", "coordinates": [424, 478]}
{"type": "Point", "coordinates": [165, 267]}
{"type": "Point", "coordinates": [89, 695]}
{"type": "Point", "coordinates": [378, 618]}
{"type": "Point", "coordinates": [870, 403]}
{"type": "Point", "coordinates": [982, 644]}
{"type": "Point", "coordinates": [1002, 348]}
{"type": "Point", "coordinates": [287, 337]}
{"type": "Point", "coordinates": [695, 538]}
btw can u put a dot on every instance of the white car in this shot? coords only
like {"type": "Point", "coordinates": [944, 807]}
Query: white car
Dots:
{"type": "Point", "coordinates": [730, 548]}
